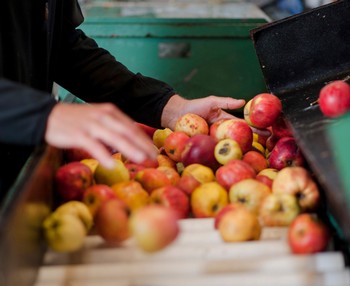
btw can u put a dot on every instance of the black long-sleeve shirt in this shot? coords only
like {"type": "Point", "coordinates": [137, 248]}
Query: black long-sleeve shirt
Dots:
{"type": "Point", "coordinates": [40, 43]}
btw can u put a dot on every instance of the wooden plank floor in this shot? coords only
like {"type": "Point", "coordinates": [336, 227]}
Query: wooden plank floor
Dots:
{"type": "Point", "coordinates": [197, 257]}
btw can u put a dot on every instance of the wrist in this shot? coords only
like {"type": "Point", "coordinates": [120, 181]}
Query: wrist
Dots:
{"type": "Point", "coordinates": [172, 111]}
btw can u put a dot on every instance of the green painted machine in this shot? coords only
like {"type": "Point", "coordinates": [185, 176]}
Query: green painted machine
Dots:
{"type": "Point", "coordinates": [200, 49]}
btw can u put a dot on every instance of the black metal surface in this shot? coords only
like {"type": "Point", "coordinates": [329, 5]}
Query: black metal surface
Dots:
{"type": "Point", "coordinates": [298, 56]}
{"type": "Point", "coordinates": [21, 214]}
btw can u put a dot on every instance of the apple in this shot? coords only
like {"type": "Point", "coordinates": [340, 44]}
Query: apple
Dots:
{"type": "Point", "coordinates": [174, 198]}
{"type": "Point", "coordinates": [188, 184]}
{"type": "Point", "coordinates": [118, 173]}
{"type": "Point", "coordinates": [91, 163]}
{"type": "Point", "coordinates": [80, 210]}
{"type": "Point", "coordinates": [236, 129]}
{"type": "Point", "coordinates": [256, 146]}
{"type": "Point", "coordinates": [262, 110]}
{"type": "Point", "coordinates": [64, 232]}
{"type": "Point", "coordinates": [154, 227]}
{"type": "Point", "coordinates": [208, 199]}
{"type": "Point", "coordinates": [334, 99]}
{"type": "Point", "coordinates": [200, 149]}
{"type": "Point", "coordinates": [192, 124]}
{"type": "Point", "coordinates": [228, 207]}
{"type": "Point", "coordinates": [112, 221]}
{"type": "Point", "coordinates": [95, 195]}
{"type": "Point", "coordinates": [286, 153]}
{"type": "Point", "coordinates": [233, 172]}
{"type": "Point", "coordinates": [164, 160]}
{"type": "Point", "coordinates": [250, 193]}
{"type": "Point", "coordinates": [214, 127]}
{"type": "Point", "coordinates": [171, 173]}
{"type": "Point", "coordinates": [256, 160]}
{"type": "Point", "coordinates": [160, 135]}
{"type": "Point", "coordinates": [133, 169]}
{"type": "Point", "coordinates": [152, 178]}
{"type": "Point", "coordinates": [278, 210]}
{"type": "Point", "coordinates": [194, 175]}
{"type": "Point", "coordinates": [297, 181]}
{"type": "Point", "coordinates": [131, 193]}
{"type": "Point", "coordinates": [174, 144]}
{"type": "Point", "coordinates": [280, 128]}
{"type": "Point", "coordinates": [271, 142]}
{"type": "Point", "coordinates": [239, 224]}
{"type": "Point", "coordinates": [76, 155]}
{"type": "Point", "coordinates": [149, 130]}
{"type": "Point", "coordinates": [267, 176]}
{"type": "Point", "coordinates": [227, 150]}
{"type": "Point", "coordinates": [71, 180]}
{"type": "Point", "coordinates": [262, 137]}
{"type": "Point", "coordinates": [307, 234]}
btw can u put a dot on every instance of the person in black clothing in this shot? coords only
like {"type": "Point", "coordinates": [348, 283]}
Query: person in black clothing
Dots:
{"type": "Point", "coordinates": [40, 44]}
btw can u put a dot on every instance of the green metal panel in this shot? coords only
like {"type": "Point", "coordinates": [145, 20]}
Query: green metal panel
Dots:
{"type": "Point", "coordinates": [339, 138]}
{"type": "Point", "coordinates": [198, 57]}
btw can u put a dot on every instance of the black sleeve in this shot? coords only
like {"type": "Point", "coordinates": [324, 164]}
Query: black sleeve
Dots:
{"type": "Point", "coordinates": [94, 75]}
{"type": "Point", "coordinates": [25, 124]}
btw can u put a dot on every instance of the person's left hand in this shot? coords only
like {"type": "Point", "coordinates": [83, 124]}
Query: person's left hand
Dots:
{"type": "Point", "coordinates": [211, 108]}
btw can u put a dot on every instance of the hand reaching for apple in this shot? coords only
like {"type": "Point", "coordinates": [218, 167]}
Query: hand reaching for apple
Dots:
{"type": "Point", "coordinates": [211, 108]}
{"type": "Point", "coordinates": [93, 127]}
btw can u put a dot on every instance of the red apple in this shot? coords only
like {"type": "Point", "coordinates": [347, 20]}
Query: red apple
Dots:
{"type": "Point", "coordinates": [267, 176]}
{"type": "Point", "coordinates": [334, 99]}
{"type": "Point", "coordinates": [171, 173]}
{"type": "Point", "coordinates": [151, 179]}
{"type": "Point", "coordinates": [308, 234]}
{"type": "Point", "coordinates": [285, 153]}
{"type": "Point", "coordinates": [192, 124]}
{"type": "Point", "coordinates": [233, 172]}
{"type": "Point", "coordinates": [256, 160]}
{"type": "Point", "coordinates": [271, 142]}
{"type": "Point", "coordinates": [199, 149]}
{"type": "Point", "coordinates": [76, 154]}
{"type": "Point", "coordinates": [147, 129]}
{"type": "Point", "coordinates": [95, 195]}
{"type": "Point", "coordinates": [236, 129]}
{"type": "Point", "coordinates": [174, 144]}
{"type": "Point", "coordinates": [188, 184]}
{"type": "Point", "coordinates": [72, 179]}
{"type": "Point", "coordinates": [154, 227]}
{"type": "Point", "coordinates": [174, 198]}
{"type": "Point", "coordinates": [280, 128]}
{"type": "Point", "coordinates": [297, 181]}
{"type": "Point", "coordinates": [262, 110]}
{"type": "Point", "coordinates": [111, 221]}
{"type": "Point", "coordinates": [133, 169]}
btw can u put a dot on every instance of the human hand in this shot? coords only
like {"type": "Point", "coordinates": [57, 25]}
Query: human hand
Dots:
{"type": "Point", "coordinates": [93, 127]}
{"type": "Point", "coordinates": [211, 108]}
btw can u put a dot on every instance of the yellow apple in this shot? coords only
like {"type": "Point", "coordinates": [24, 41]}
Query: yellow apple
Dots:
{"type": "Point", "coordinates": [250, 193]}
{"type": "Point", "coordinates": [78, 209]}
{"type": "Point", "coordinates": [64, 232]}
{"type": "Point", "coordinates": [208, 199]}
{"type": "Point", "coordinates": [160, 135]}
{"type": "Point", "coordinates": [112, 176]}
{"type": "Point", "coordinates": [227, 150]}
{"type": "Point", "coordinates": [239, 224]}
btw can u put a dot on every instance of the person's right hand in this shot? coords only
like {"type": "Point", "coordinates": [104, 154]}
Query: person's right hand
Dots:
{"type": "Point", "coordinates": [93, 127]}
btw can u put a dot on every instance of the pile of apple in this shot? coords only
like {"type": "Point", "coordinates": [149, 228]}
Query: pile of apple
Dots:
{"type": "Point", "coordinates": [246, 173]}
